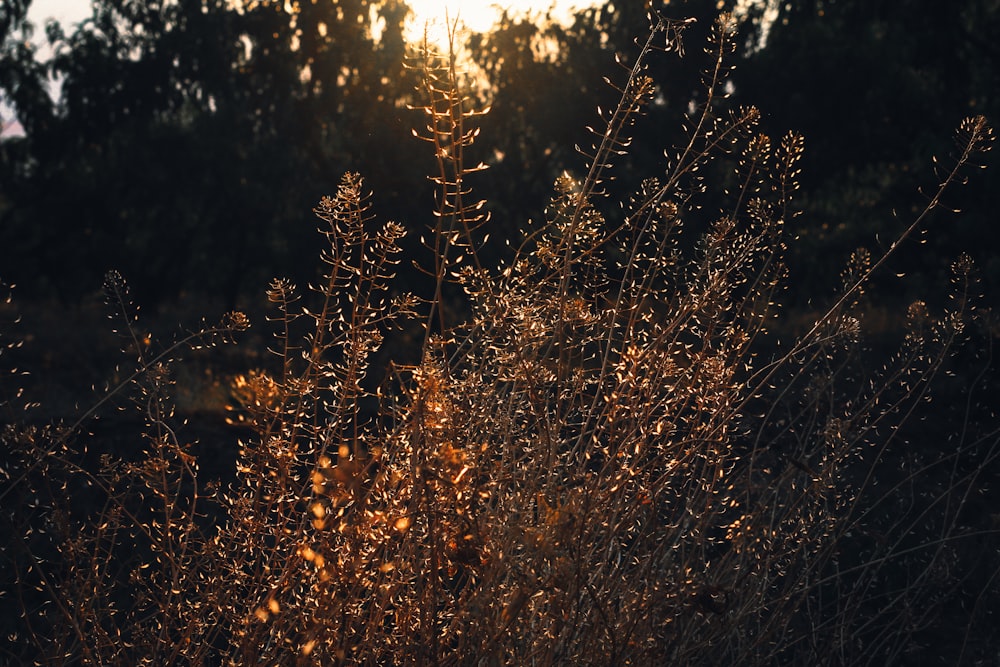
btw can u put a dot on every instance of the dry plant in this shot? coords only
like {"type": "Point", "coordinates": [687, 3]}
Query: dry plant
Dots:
{"type": "Point", "coordinates": [609, 460]}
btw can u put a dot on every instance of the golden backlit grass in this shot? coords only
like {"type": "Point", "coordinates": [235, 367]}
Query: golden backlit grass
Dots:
{"type": "Point", "coordinates": [600, 456]}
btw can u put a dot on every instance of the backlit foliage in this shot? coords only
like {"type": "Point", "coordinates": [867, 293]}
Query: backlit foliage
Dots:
{"type": "Point", "coordinates": [610, 458]}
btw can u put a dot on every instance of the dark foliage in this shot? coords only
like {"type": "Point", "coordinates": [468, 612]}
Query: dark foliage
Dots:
{"type": "Point", "coordinates": [871, 84]}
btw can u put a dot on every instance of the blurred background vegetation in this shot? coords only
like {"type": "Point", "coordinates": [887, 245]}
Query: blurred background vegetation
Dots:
{"type": "Point", "coordinates": [190, 139]}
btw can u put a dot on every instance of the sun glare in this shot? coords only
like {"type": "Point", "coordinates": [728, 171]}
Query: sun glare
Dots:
{"type": "Point", "coordinates": [476, 15]}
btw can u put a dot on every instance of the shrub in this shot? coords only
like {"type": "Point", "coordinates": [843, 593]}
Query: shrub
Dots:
{"type": "Point", "coordinates": [603, 453]}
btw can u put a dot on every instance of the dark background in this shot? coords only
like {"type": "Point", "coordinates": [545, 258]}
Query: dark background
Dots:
{"type": "Point", "coordinates": [188, 145]}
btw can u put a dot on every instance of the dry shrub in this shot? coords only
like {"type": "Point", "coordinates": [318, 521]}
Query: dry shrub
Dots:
{"type": "Point", "coordinates": [610, 459]}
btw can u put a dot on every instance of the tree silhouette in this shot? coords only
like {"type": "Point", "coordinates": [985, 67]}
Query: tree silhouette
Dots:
{"type": "Point", "coordinates": [874, 87]}
{"type": "Point", "coordinates": [189, 137]}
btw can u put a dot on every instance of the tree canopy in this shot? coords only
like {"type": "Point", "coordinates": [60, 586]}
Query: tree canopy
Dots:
{"type": "Point", "coordinates": [876, 87]}
{"type": "Point", "coordinates": [189, 136]}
